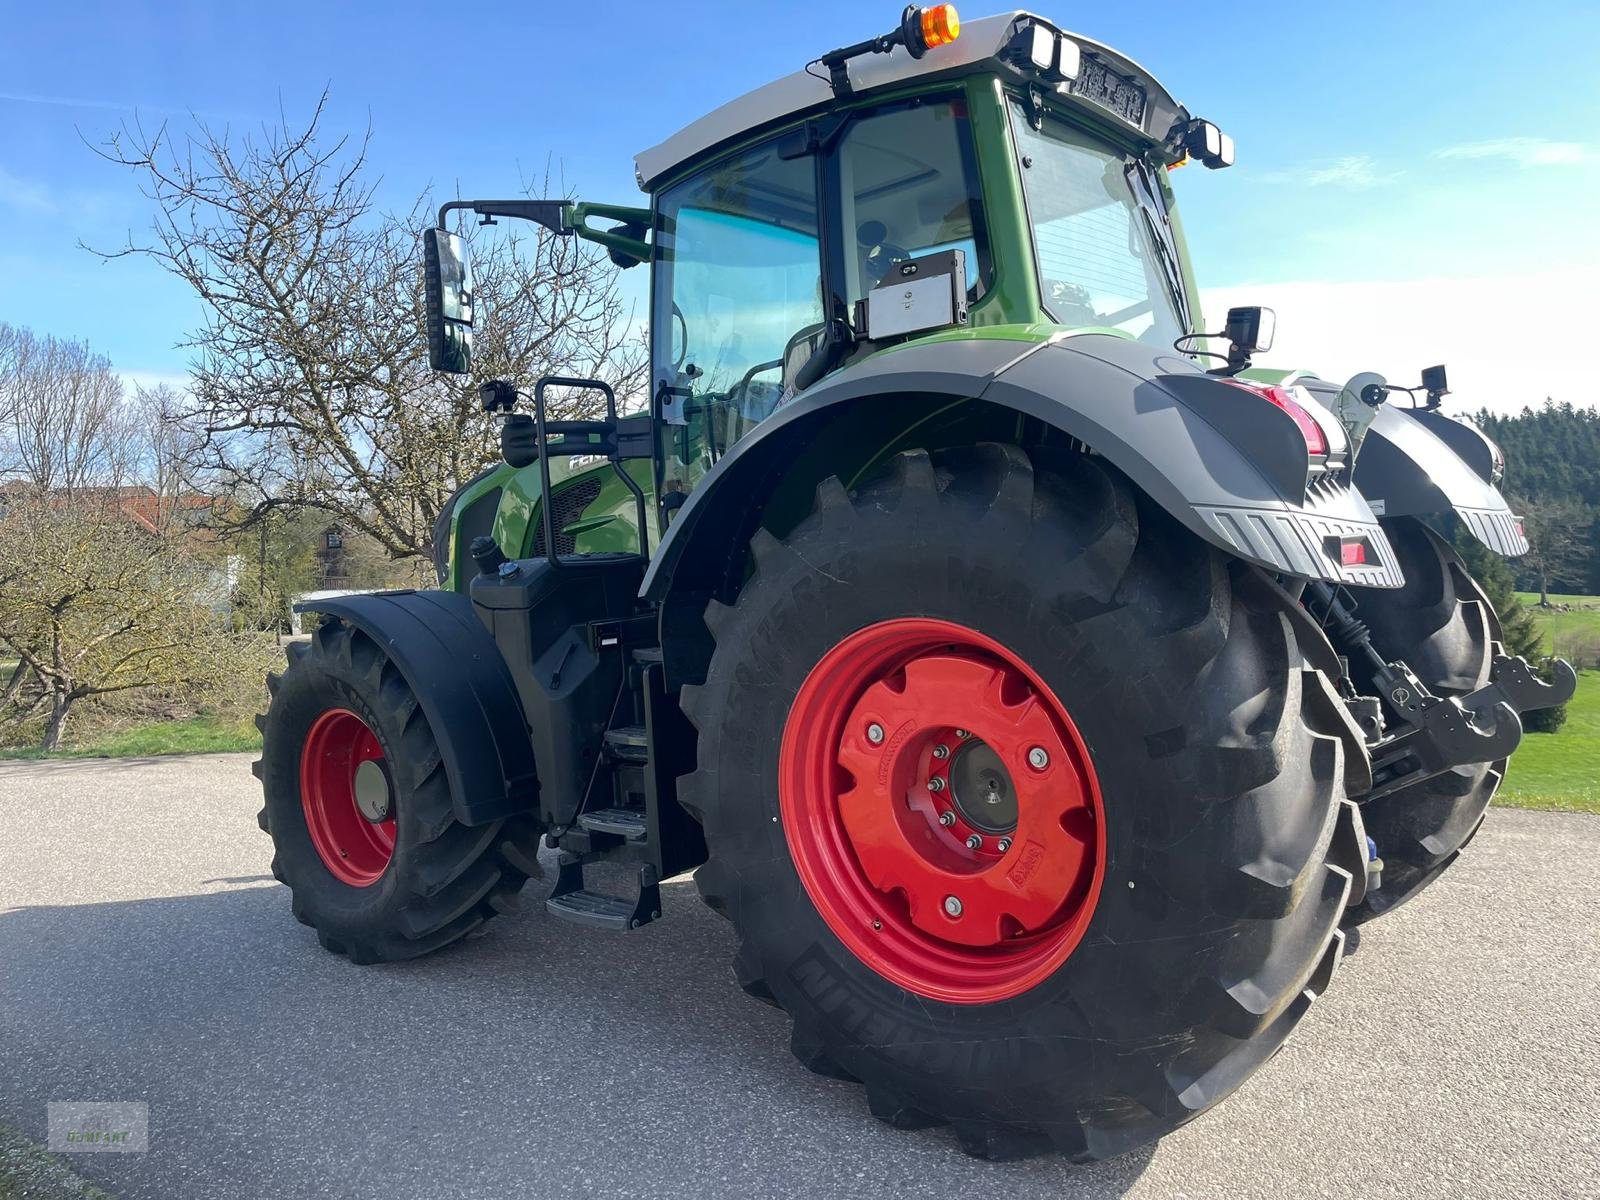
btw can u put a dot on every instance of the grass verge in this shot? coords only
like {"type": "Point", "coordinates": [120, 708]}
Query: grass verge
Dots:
{"type": "Point", "coordinates": [1560, 770]}
{"type": "Point", "coordinates": [191, 735]}
{"type": "Point", "coordinates": [28, 1172]}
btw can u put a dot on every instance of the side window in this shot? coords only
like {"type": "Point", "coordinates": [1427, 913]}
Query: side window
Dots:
{"type": "Point", "coordinates": [909, 186]}
{"type": "Point", "coordinates": [737, 287]}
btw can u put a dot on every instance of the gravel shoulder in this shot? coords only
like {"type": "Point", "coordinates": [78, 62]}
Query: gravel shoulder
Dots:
{"type": "Point", "coordinates": [146, 954]}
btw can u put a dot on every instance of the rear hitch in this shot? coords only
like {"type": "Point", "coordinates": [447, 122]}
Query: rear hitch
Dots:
{"type": "Point", "coordinates": [1446, 733]}
{"type": "Point", "coordinates": [1437, 733]}
{"type": "Point", "coordinates": [1513, 681]}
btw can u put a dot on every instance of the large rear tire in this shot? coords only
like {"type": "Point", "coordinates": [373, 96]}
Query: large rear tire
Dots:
{"type": "Point", "coordinates": [1444, 627]}
{"type": "Point", "coordinates": [359, 809]}
{"type": "Point", "coordinates": [1168, 763]}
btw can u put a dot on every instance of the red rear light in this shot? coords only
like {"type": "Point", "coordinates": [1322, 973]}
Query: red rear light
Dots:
{"type": "Point", "coordinates": [1353, 554]}
{"type": "Point", "coordinates": [1316, 441]}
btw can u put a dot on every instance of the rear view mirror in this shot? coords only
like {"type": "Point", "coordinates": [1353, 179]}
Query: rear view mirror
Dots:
{"type": "Point", "coordinates": [447, 281]}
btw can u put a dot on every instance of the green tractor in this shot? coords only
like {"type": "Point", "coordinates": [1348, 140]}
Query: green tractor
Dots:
{"type": "Point", "coordinates": [1041, 695]}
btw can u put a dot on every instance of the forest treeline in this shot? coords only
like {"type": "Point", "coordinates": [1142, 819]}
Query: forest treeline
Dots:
{"type": "Point", "coordinates": [1553, 479]}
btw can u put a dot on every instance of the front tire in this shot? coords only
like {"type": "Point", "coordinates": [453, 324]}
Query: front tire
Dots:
{"type": "Point", "coordinates": [359, 809]}
{"type": "Point", "coordinates": [1195, 914]}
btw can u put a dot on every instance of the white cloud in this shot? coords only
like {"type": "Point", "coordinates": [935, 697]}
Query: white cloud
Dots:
{"type": "Point", "coordinates": [1524, 151]}
{"type": "Point", "coordinates": [24, 195]}
{"type": "Point", "coordinates": [1508, 340]}
{"type": "Point", "coordinates": [132, 381]}
{"type": "Point", "coordinates": [1355, 171]}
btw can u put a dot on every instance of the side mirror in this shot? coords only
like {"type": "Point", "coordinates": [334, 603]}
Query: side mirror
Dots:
{"type": "Point", "coordinates": [447, 281]}
{"type": "Point", "coordinates": [1250, 330]}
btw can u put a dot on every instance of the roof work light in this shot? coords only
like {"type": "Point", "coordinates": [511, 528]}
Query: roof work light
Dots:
{"type": "Point", "coordinates": [921, 29]}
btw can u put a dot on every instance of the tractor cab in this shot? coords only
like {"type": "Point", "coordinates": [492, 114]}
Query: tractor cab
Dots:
{"type": "Point", "coordinates": [1003, 179]}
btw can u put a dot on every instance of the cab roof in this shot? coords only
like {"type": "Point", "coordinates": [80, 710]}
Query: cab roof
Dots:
{"type": "Point", "coordinates": [981, 45]}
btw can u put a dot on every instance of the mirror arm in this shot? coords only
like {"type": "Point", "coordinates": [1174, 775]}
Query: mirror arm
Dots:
{"type": "Point", "coordinates": [552, 214]}
{"type": "Point", "coordinates": [567, 218]}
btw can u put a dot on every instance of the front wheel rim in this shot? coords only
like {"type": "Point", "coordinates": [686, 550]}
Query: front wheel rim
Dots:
{"type": "Point", "coordinates": [942, 810]}
{"type": "Point", "coordinates": [356, 850]}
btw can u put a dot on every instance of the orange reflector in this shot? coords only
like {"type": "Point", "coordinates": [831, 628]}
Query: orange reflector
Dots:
{"type": "Point", "coordinates": [941, 25]}
{"type": "Point", "coordinates": [1182, 162]}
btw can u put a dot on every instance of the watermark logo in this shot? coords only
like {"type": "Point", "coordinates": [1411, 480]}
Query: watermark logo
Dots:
{"type": "Point", "coordinates": [98, 1127]}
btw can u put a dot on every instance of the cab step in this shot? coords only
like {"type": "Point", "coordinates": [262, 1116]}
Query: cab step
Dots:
{"type": "Point", "coordinates": [571, 901]}
{"type": "Point", "coordinates": [624, 822]}
{"type": "Point", "coordinates": [629, 744]}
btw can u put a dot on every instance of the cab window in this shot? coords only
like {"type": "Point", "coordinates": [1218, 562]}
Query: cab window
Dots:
{"type": "Point", "coordinates": [908, 184]}
{"type": "Point", "coordinates": [738, 287]}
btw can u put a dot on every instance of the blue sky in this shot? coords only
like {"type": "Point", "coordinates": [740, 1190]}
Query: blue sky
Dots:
{"type": "Point", "coordinates": [1416, 182]}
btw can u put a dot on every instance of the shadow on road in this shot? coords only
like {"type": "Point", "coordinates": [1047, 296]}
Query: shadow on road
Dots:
{"type": "Point", "coordinates": [539, 1058]}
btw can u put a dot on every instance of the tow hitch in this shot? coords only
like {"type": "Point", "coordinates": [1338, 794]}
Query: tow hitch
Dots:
{"type": "Point", "coordinates": [1434, 734]}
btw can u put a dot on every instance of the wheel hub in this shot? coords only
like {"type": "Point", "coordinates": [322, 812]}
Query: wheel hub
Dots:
{"type": "Point", "coordinates": [372, 790]}
{"type": "Point", "coordinates": [981, 789]}
{"type": "Point", "coordinates": [941, 852]}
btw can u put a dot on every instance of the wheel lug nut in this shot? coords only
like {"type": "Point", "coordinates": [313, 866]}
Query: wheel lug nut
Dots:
{"type": "Point", "coordinates": [947, 818]}
{"type": "Point", "coordinates": [875, 734]}
{"type": "Point", "coordinates": [1004, 844]}
{"type": "Point", "coordinates": [936, 784]}
{"type": "Point", "coordinates": [941, 751]}
{"type": "Point", "coordinates": [952, 906]}
{"type": "Point", "coordinates": [962, 734]}
{"type": "Point", "coordinates": [1038, 759]}
{"type": "Point", "coordinates": [974, 842]}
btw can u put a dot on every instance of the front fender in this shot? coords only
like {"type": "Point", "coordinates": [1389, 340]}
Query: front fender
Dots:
{"type": "Point", "coordinates": [464, 688]}
{"type": "Point", "coordinates": [1230, 466]}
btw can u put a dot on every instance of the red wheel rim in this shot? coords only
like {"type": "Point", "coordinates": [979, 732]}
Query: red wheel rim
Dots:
{"type": "Point", "coordinates": [958, 895]}
{"type": "Point", "coordinates": [355, 850]}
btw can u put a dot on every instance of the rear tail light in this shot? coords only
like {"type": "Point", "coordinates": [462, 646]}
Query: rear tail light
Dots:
{"type": "Point", "coordinates": [1316, 440]}
{"type": "Point", "coordinates": [1350, 551]}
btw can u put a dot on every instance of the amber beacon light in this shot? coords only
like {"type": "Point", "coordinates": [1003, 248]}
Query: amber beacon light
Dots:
{"type": "Point", "coordinates": [939, 25]}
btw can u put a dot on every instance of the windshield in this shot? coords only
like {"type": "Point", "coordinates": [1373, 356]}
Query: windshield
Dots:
{"type": "Point", "coordinates": [1099, 229]}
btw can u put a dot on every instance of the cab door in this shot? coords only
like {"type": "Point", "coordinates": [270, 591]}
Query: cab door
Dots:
{"type": "Point", "coordinates": [737, 298]}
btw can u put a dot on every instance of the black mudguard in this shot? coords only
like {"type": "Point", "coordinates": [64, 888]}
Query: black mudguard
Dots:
{"type": "Point", "coordinates": [1420, 463]}
{"type": "Point", "coordinates": [465, 689]}
{"type": "Point", "coordinates": [1230, 466]}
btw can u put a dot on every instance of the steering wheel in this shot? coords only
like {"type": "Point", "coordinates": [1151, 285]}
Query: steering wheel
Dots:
{"type": "Point", "coordinates": [873, 237]}
{"type": "Point", "coordinates": [683, 325]}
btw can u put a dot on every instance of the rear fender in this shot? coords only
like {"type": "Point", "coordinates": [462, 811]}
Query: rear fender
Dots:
{"type": "Point", "coordinates": [1423, 463]}
{"type": "Point", "coordinates": [1230, 467]}
{"type": "Point", "coordinates": [1420, 463]}
{"type": "Point", "coordinates": [464, 688]}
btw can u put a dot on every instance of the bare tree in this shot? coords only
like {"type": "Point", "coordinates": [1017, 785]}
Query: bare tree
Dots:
{"type": "Point", "coordinates": [93, 603]}
{"type": "Point", "coordinates": [62, 420]}
{"type": "Point", "coordinates": [310, 385]}
{"type": "Point", "coordinates": [1555, 531]}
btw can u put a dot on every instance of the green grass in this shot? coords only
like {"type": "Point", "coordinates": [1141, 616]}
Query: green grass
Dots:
{"type": "Point", "coordinates": [1563, 631]}
{"type": "Point", "coordinates": [27, 1172]}
{"type": "Point", "coordinates": [191, 735]}
{"type": "Point", "coordinates": [1560, 770]}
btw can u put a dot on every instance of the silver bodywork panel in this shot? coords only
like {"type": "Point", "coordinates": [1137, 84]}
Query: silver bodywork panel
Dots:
{"type": "Point", "coordinates": [980, 41]}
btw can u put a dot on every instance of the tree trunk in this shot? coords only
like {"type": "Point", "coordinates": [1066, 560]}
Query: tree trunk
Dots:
{"type": "Point", "coordinates": [19, 676]}
{"type": "Point", "coordinates": [56, 726]}
{"type": "Point", "coordinates": [1544, 588]}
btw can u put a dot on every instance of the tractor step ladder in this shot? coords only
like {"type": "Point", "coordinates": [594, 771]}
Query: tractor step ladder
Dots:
{"type": "Point", "coordinates": [573, 902]}
{"type": "Point", "coordinates": [623, 822]}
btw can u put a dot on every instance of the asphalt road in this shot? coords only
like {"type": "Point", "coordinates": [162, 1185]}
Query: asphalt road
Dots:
{"type": "Point", "coordinates": [146, 954]}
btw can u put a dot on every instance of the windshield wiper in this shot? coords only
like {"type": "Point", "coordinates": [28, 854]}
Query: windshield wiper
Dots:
{"type": "Point", "coordinates": [1161, 236]}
